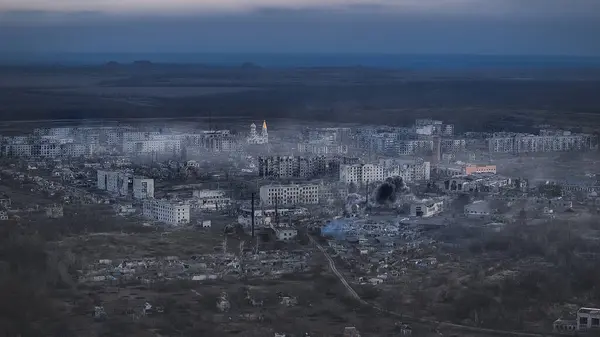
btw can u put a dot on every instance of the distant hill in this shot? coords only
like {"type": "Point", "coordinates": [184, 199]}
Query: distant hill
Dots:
{"type": "Point", "coordinates": [142, 63]}
{"type": "Point", "coordinates": [112, 64]}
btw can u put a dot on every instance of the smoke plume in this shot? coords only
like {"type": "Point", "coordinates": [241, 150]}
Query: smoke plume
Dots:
{"type": "Point", "coordinates": [336, 228]}
{"type": "Point", "coordinates": [388, 191]}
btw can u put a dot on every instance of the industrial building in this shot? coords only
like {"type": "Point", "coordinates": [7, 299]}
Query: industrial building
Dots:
{"type": "Point", "coordinates": [478, 208]}
{"type": "Point", "coordinates": [426, 208]}
{"type": "Point", "coordinates": [211, 200]}
{"type": "Point", "coordinates": [284, 233]}
{"type": "Point", "coordinates": [477, 182]}
{"type": "Point", "coordinates": [473, 168]}
{"type": "Point", "coordinates": [587, 321]}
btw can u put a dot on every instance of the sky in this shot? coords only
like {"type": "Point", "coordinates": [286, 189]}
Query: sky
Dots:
{"type": "Point", "coordinates": [494, 27]}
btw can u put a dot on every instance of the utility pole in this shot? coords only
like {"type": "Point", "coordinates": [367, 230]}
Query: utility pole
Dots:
{"type": "Point", "coordinates": [253, 214]}
{"type": "Point", "coordinates": [277, 209]}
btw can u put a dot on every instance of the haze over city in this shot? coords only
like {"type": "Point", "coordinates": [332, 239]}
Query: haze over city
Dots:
{"type": "Point", "coordinates": [299, 168]}
{"type": "Point", "coordinates": [502, 27]}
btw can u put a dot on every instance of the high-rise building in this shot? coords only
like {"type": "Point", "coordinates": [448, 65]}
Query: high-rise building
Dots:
{"type": "Point", "coordinates": [437, 149]}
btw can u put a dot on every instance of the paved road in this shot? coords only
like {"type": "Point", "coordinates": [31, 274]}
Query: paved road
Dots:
{"type": "Point", "coordinates": [409, 319]}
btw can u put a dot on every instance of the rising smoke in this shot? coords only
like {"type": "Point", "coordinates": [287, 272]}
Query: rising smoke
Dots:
{"type": "Point", "coordinates": [336, 228]}
{"type": "Point", "coordinates": [388, 192]}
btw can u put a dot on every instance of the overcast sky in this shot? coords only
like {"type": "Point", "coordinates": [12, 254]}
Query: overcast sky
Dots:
{"type": "Point", "coordinates": [540, 27]}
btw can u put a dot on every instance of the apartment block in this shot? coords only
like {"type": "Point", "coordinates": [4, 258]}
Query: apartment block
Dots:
{"type": "Point", "coordinates": [305, 194]}
{"type": "Point", "coordinates": [114, 182]}
{"type": "Point", "coordinates": [285, 167]}
{"type": "Point", "coordinates": [409, 170]}
{"type": "Point", "coordinates": [546, 142]}
{"type": "Point", "coordinates": [172, 213]}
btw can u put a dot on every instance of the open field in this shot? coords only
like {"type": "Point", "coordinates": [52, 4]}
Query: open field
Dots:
{"type": "Point", "coordinates": [486, 100]}
{"type": "Point", "coordinates": [161, 92]}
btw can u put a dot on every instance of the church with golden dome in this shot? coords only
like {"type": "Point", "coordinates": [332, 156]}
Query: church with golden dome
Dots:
{"type": "Point", "coordinates": [256, 138]}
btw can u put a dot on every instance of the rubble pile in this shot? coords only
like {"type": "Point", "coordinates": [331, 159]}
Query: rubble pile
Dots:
{"type": "Point", "coordinates": [272, 264]}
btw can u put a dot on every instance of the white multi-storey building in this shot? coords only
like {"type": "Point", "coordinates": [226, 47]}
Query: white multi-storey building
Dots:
{"type": "Point", "coordinates": [60, 132]}
{"type": "Point", "coordinates": [448, 130]}
{"type": "Point", "coordinates": [361, 173]}
{"type": "Point", "coordinates": [414, 146]}
{"type": "Point", "coordinates": [139, 135]}
{"type": "Point", "coordinates": [322, 148]}
{"type": "Point", "coordinates": [77, 150]}
{"type": "Point", "coordinates": [301, 167]}
{"type": "Point", "coordinates": [114, 137]}
{"type": "Point", "coordinates": [173, 213]}
{"type": "Point", "coordinates": [17, 150]}
{"type": "Point", "coordinates": [152, 146]}
{"type": "Point", "coordinates": [453, 145]}
{"type": "Point", "coordinates": [48, 150]}
{"type": "Point", "coordinates": [546, 142]}
{"type": "Point", "coordinates": [409, 170]}
{"type": "Point", "coordinates": [143, 188]}
{"type": "Point", "coordinates": [17, 140]}
{"type": "Point", "coordinates": [501, 144]}
{"type": "Point", "coordinates": [289, 194]}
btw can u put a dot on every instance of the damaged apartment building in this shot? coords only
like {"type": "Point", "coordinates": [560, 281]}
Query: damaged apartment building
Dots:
{"type": "Point", "coordinates": [165, 211]}
{"type": "Point", "coordinates": [124, 184]}
{"type": "Point", "coordinates": [292, 194]}
{"type": "Point", "coordinates": [210, 200]}
{"type": "Point", "coordinates": [409, 170]}
{"type": "Point", "coordinates": [304, 167]}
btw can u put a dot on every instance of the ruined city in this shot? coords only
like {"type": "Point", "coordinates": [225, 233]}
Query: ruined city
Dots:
{"type": "Point", "coordinates": [310, 230]}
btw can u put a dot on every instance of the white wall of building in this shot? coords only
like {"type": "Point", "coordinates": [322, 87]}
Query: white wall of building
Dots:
{"type": "Point", "coordinates": [152, 146]}
{"type": "Point", "coordinates": [211, 199]}
{"type": "Point", "coordinates": [366, 173]}
{"type": "Point", "coordinates": [426, 208]}
{"type": "Point", "coordinates": [172, 213]}
{"type": "Point", "coordinates": [478, 208]}
{"type": "Point", "coordinates": [289, 194]}
{"type": "Point", "coordinates": [143, 188]}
